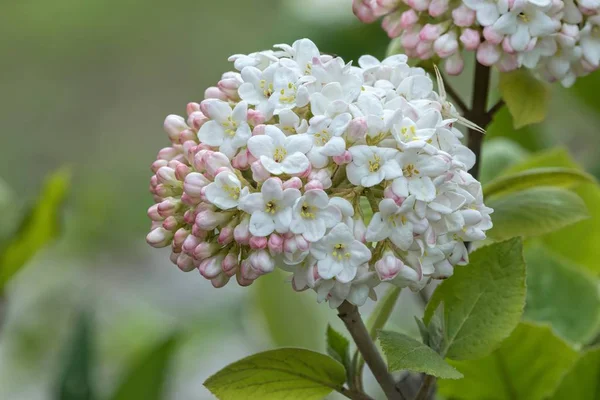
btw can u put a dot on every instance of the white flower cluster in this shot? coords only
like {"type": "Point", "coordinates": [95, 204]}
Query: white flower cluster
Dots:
{"type": "Point", "coordinates": [276, 165]}
{"type": "Point", "coordinates": [559, 39]}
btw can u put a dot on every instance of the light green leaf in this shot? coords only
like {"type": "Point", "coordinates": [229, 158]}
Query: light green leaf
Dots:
{"type": "Point", "coordinates": [278, 374]}
{"type": "Point", "coordinates": [146, 379]}
{"type": "Point", "coordinates": [74, 381]}
{"type": "Point", "coordinates": [274, 301]}
{"type": "Point", "coordinates": [534, 212]}
{"type": "Point", "coordinates": [553, 176]}
{"type": "Point", "coordinates": [497, 155]}
{"type": "Point", "coordinates": [527, 366]}
{"type": "Point", "coordinates": [483, 301]}
{"type": "Point", "coordinates": [551, 283]}
{"type": "Point", "coordinates": [582, 382]}
{"type": "Point", "coordinates": [338, 346]}
{"type": "Point", "coordinates": [526, 97]}
{"type": "Point", "coordinates": [39, 227]}
{"type": "Point", "coordinates": [404, 352]}
{"type": "Point", "coordinates": [578, 242]}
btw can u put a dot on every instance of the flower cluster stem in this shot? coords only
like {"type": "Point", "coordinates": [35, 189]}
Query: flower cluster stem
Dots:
{"type": "Point", "coordinates": [349, 314]}
{"type": "Point", "coordinates": [479, 113]}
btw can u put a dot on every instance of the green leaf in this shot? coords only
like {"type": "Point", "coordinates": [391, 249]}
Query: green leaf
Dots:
{"type": "Point", "coordinates": [404, 352]}
{"type": "Point", "coordinates": [497, 155]}
{"type": "Point", "coordinates": [39, 227]}
{"type": "Point", "coordinates": [526, 97]}
{"type": "Point", "coordinates": [551, 283]}
{"type": "Point", "coordinates": [557, 177]}
{"type": "Point", "coordinates": [74, 382]}
{"type": "Point", "coordinates": [483, 301]}
{"type": "Point", "coordinates": [382, 311]}
{"type": "Point", "coordinates": [278, 374]}
{"type": "Point", "coordinates": [274, 301]}
{"type": "Point", "coordinates": [146, 379]}
{"type": "Point", "coordinates": [527, 366]}
{"type": "Point", "coordinates": [338, 346]}
{"type": "Point", "coordinates": [582, 382]}
{"type": "Point", "coordinates": [534, 212]}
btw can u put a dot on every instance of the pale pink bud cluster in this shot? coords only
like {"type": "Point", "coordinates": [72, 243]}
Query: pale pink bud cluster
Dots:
{"type": "Point", "coordinates": [558, 39]}
{"type": "Point", "coordinates": [273, 167]}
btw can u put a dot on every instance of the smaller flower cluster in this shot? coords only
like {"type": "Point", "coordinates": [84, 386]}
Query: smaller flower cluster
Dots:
{"type": "Point", "coordinates": [559, 39]}
{"type": "Point", "coordinates": [345, 176]}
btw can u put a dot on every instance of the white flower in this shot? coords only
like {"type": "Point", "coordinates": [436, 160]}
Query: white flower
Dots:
{"type": "Point", "coordinates": [289, 90]}
{"type": "Point", "coordinates": [339, 254]}
{"type": "Point", "coordinates": [328, 141]}
{"type": "Point", "coordinates": [271, 209]}
{"type": "Point", "coordinates": [313, 214]}
{"type": "Point", "coordinates": [356, 292]}
{"type": "Point", "coordinates": [371, 165]}
{"type": "Point", "coordinates": [590, 43]}
{"type": "Point", "coordinates": [280, 154]}
{"type": "Point", "coordinates": [227, 129]}
{"type": "Point", "coordinates": [258, 87]}
{"type": "Point", "coordinates": [291, 124]}
{"type": "Point", "coordinates": [410, 134]}
{"type": "Point", "coordinates": [418, 168]}
{"type": "Point", "coordinates": [224, 192]}
{"type": "Point", "coordinates": [302, 52]}
{"type": "Point", "coordinates": [487, 11]}
{"type": "Point", "coordinates": [330, 101]}
{"type": "Point", "coordinates": [391, 222]}
{"type": "Point", "coordinates": [524, 21]}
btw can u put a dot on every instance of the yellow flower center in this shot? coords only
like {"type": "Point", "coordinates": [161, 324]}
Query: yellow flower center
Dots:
{"type": "Point", "coordinates": [307, 212]}
{"type": "Point", "coordinates": [270, 208]}
{"type": "Point", "coordinates": [375, 163]}
{"type": "Point", "coordinates": [280, 154]}
{"type": "Point", "coordinates": [338, 252]}
{"type": "Point", "coordinates": [410, 170]}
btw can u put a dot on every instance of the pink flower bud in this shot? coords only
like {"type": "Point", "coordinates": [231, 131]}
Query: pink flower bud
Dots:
{"type": "Point", "coordinates": [443, 270]}
{"type": "Point", "coordinates": [240, 161]}
{"type": "Point", "coordinates": [230, 264]}
{"type": "Point", "coordinates": [214, 92]}
{"type": "Point", "coordinates": [357, 129]}
{"type": "Point", "coordinates": [174, 125]}
{"type": "Point", "coordinates": [168, 207]}
{"type": "Point", "coordinates": [345, 158]}
{"type": "Point", "coordinates": [360, 230]}
{"type": "Point", "coordinates": [241, 233]}
{"type": "Point", "coordinates": [230, 86]}
{"type": "Point", "coordinates": [153, 213]}
{"type": "Point", "coordinates": [425, 50]}
{"type": "Point", "coordinates": [492, 36]}
{"type": "Point", "coordinates": [190, 244]}
{"type": "Point", "coordinates": [438, 7]}
{"type": "Point", "coordinates": [174, 256]}
{"type": "Point", "coordinates": [166, 176]}
{"type": "Point", "coordinates": [410, 38]}
{"type": "Point", "coordinates": [193, 184]}
{"type": "Point", "coordinates": [258, 242]}
{"type": "Point", "coordinates": [197, 119]}
{"type": "Point", "coordinates": [172, 223]}
{"type": "Point", "coordinates": [214, 161]}
{"type": "Point", "coordinates": [261, 262]}
{"type": "Point", "coordinates": [430, 32]}
{"type": "Point", "coordinates": [388, 267]}
{"type": "Point", "coordinates": [210, 268]}
{"type": "Point", "coordinates": [208, 220]}
{"type": "Point", "coordinates": [454, 64]}
{"type": "Point", "coordinates": [363, 12]}
{"type": "Point", "coordinates": [159, 237]}
{"type": "Point", "coordinates": [205, 250]}
{"type": "Point", "coordinates": [275, 244]}
{"type": "Point", "coordinates": [446, 45]}
{"type": "Point", "coordinates": [463, 16]}
{"type": "Point", "coordinates": [192, 107]}
{"type": "Point", "coordinates": [259, 130]}
{"type": "Point", "coordinates": [255, 117]}
{"type": "Point", "coordinates": [179, 238]}
{"type": "Point", "coordinates": [247, 273]}
{"type": "Point", "coordinates": [408, 19]}
{"type": "Point", "coordinates": [392, 25]}
{"type": "Point", "coordinates": [168, 153]}
{"type": "Point", "coordinates": [488, 54]}
{"type": "Point", "coordinates": [506, 46]}
{"type": "Point", "coordinates": [220, 281]}
{"type": "Point", "coordinates": [185, 262]}
{"type": "Point", "coordinates": [470, 39]}
{"type": "Point", "coordinates": [314, 184]}
{"type": "Point", "coordinates": [259, 173]}
{"type": "Point", "coordinates": [226, 235]}
{"type": "Point", "coordinates": [181, 171]}
{"type": "Point", "coordinates": [419, 5]}
{"type": "Point", "coordinates": [156, 165]}
{"type": "Point", "coordinates": [292, 183]}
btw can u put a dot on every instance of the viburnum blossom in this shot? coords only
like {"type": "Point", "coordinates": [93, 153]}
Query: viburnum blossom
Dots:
{"type": "Point", "coordinates": [275, 168]}
{"type": "Point", "coordinates": [558, 39]}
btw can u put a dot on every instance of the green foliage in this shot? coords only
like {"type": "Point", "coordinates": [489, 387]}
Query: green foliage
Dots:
{"type": "Point", "coordinates": [483, 301]}
{"type": "Point", "coordinates": [74, 382]}
{"type": "Point", "coordinates": [146, 379]}
{"type": "Point", "coordinates": [434, 332]}
{"type": "Point", "coordinates": [404, 352]}
{"type": "Point", "coordinates": [277, 374]}
{"type": "Point", "coordinates": [582, 382]}
{"type": "Point", "coordinates": [502, 126]}
{"type": "Point", "coordinates": [534, 212]}
{"type": "Point", "coordinates": [525, 96]}
{"type": "Point", "coordinates": [551, 285]}
{"type": "Point", "coordinates": [497, 155]}
{"type": "Point", "coordinates": [552, 176]}
{"type": "Point", "coordinates": [382, 311]}
{"type": "Point", "coordinates": [275, 301]}
{"type": "Point", "coordinates": [338, 346]}
{"type": "Point", "coordinates": [578, 242]}
{"type": "Point", "coordinates": [39, 227]}
{"type": "Point", "coordinates": [527, 366]}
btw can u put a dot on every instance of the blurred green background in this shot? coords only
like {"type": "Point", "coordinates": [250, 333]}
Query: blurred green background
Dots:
{"type": "Point", "coordinates": [87, 84]}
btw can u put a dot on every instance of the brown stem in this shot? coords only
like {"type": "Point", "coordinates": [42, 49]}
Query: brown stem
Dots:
{"type": "Point", "coordinates": [495, 108]}
{"type": "Point", "coordinates": [426, 388]}
{"type": "Point", "coordinates": [349, 314]}
{"type": "Point", "coordinates": [478, 112]}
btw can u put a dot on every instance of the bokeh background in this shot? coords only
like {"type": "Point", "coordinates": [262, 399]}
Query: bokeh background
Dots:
{"type": "Point", "coordinates": [87, 84]}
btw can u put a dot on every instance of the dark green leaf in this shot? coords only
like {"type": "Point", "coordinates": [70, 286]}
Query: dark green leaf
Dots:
{"type": "Point", "coordinates": [39, 227]}
{"type": "Point", "coordinates": [534, 212]}
{"type": "Point", "coordinates": [404, 352]}
{"type": "Point", "coordinates": [146, 379]}
{"type": "Point", "coordinates": [527, 366]}
{"type": "Point", "coordinates": [338, 346]}
{"type": "Point", "coordinates": [75, 382]}
{"type": "Point", "coordinates": [483, 301]}
{"type": "Point", "coordinates": [278, 374]}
